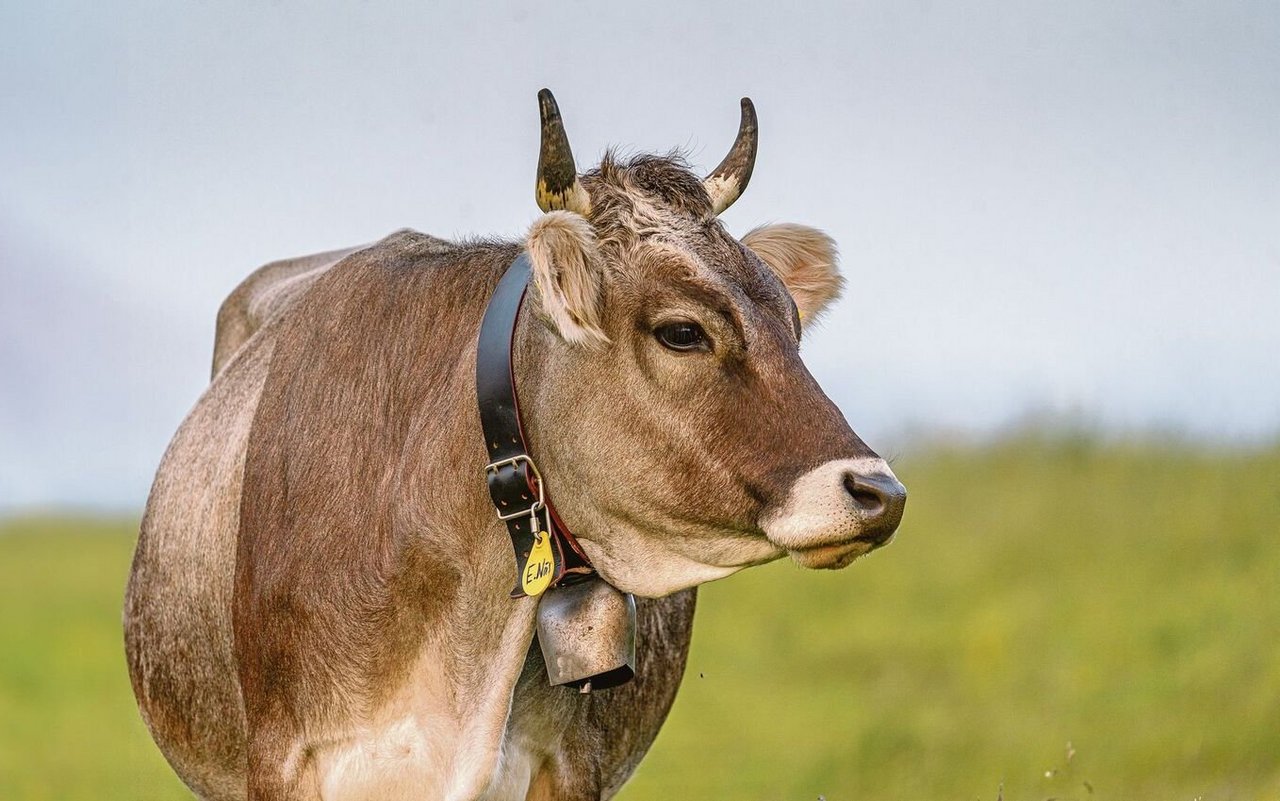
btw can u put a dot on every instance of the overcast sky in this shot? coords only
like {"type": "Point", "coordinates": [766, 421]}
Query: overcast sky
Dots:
{"type": "Point", "coordinates": [1065, 209]}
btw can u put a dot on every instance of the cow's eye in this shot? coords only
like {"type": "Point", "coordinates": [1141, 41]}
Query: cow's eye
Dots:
{"type": "Point", "coordinates": [681, 336]}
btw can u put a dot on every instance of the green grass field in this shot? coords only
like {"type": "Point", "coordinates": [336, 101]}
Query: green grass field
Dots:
{"type": "Point", "coordinates": [1123, 599]}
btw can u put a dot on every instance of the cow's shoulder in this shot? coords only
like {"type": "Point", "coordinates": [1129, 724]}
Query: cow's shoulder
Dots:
{"type": "Point", "coordinates": [273, 288]}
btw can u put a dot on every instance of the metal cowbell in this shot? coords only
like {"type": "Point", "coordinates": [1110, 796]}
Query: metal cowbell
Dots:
{"type": "Point", "coordinates": [587, 633]}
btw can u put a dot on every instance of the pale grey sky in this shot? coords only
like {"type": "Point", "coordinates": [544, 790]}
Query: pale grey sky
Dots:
{"type": "Point", "coordinates": [1061, 208]}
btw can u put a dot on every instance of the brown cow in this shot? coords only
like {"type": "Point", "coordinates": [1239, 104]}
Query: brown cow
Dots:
{"type": "Point", "coordinates": [319, 606]}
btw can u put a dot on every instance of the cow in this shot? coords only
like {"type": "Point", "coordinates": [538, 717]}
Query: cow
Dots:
{"type": "Point", "coordinates": [320, 602]}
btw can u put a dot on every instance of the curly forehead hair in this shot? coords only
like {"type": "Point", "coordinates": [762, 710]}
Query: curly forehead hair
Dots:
{"type": "Point", "coordinates": [645, 194]}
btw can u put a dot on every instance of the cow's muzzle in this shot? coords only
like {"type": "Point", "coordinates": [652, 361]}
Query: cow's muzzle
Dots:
{"type": "Point", "coordinates": [837, 512]}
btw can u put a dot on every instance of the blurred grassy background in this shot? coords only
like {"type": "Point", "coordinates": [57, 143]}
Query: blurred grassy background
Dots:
{"type": "Point", "coordinates": [1063, 618]}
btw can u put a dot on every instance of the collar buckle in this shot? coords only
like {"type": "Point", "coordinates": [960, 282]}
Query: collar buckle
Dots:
{"type": "Point", "coordinates": [514, 462]}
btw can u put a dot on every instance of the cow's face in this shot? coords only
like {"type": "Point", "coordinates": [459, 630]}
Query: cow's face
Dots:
{"type": "Point", "coordinates": [680, 434]}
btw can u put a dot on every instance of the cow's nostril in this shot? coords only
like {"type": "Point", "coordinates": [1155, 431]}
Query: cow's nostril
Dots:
{"type": "Point", "coordinates": [865, 494]}
{"type": "Point", "coordinates": [879, 498]}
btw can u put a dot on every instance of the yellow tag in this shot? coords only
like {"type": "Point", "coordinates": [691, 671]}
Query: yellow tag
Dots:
{"type": "Point", "coordinates": [539, 567]}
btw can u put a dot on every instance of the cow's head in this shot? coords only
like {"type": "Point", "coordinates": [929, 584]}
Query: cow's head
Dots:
{"type": "Point", "coordinates": [680, 434]}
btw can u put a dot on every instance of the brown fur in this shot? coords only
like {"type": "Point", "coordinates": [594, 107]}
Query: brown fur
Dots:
{"type": "Point", "coordinates": [262, 295]}
{"type": "Point", "coordinates": [312, 581]}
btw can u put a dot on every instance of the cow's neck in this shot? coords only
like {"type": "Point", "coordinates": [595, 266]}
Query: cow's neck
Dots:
{"type": "Point", "coordinates": [477, 646]}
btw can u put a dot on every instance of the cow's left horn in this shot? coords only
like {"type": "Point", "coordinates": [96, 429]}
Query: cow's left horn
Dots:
{"type": "Point", "coordinates": [558, 184]}
{"type": "Point", "coordinates": [726, 182]}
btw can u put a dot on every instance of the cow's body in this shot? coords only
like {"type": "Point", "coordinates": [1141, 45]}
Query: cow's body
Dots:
{"type": "Point", "coordinates": [319, 606]}
{"type": "Point", "coordinates": [555, 741]}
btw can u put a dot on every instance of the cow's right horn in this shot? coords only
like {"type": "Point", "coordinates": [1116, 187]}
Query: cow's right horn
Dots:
{"type": "Point", "coordinates": [558, 184]}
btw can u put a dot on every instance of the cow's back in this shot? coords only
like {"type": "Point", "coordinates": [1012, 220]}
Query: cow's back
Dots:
{"type": "Point", "coordinates": [267, 292]}
{"type": "Point", "coordinates": [178, 633]}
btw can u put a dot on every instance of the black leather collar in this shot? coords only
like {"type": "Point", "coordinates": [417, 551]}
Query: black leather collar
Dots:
{"type": "Point", "coordinates": [547, 554]}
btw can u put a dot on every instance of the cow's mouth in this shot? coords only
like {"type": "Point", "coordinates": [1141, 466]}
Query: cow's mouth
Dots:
{"type": "Point", "coordinates": [837, 555]}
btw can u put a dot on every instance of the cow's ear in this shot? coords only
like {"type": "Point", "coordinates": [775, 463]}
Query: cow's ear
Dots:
{"type": "Point", "coordinates": [569, 275]}
{"type": "Point", "coordinates": [805, 259]}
